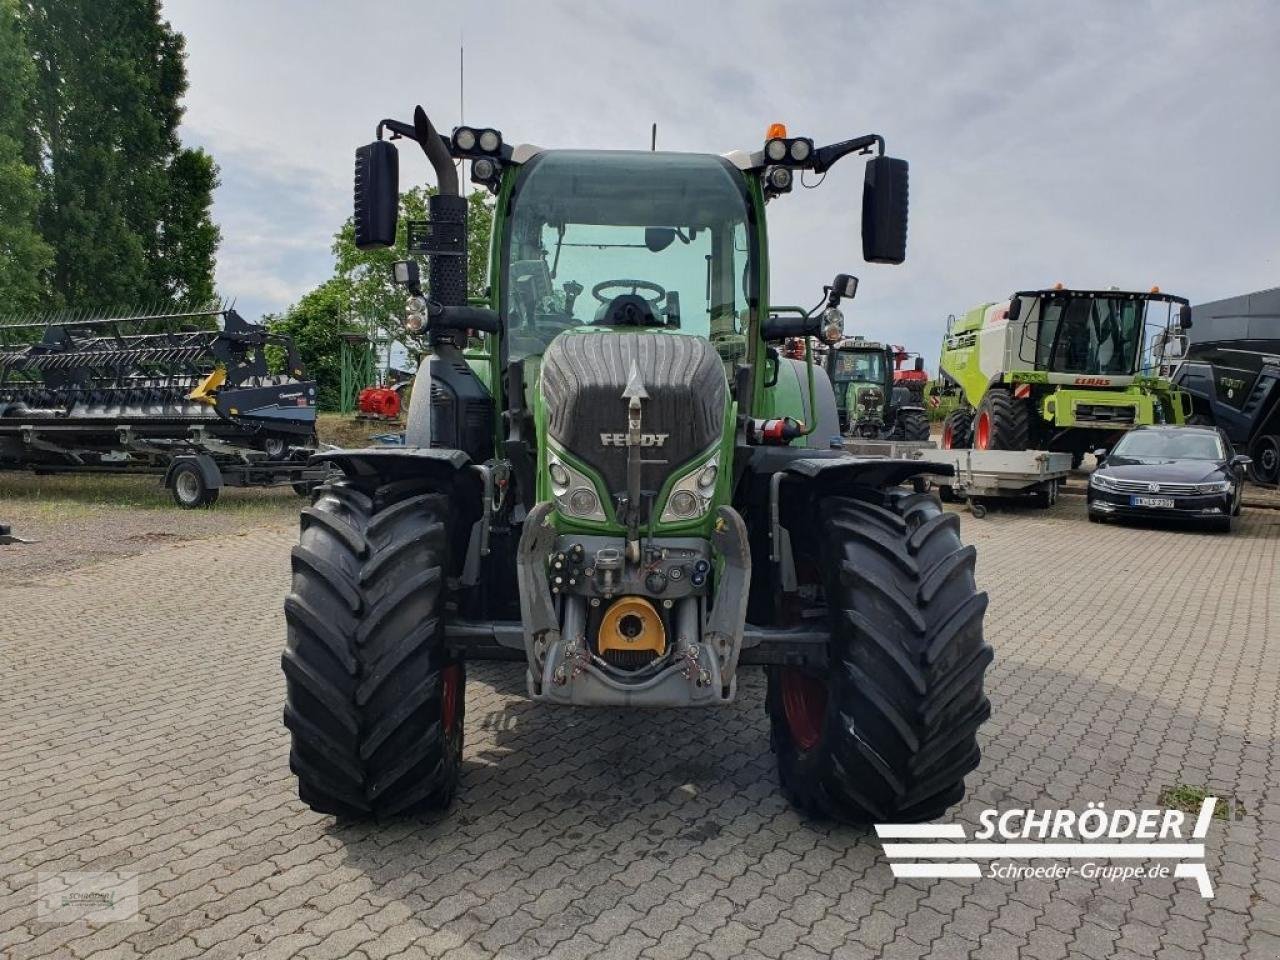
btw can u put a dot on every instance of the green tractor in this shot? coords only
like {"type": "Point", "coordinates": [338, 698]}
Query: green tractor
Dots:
{"type": "Point", "coordinates": [870, 404]}
{"type": "Point", "coordinates": [1059, 369]}
{"type": "Point", "coordinates": [630, 491]}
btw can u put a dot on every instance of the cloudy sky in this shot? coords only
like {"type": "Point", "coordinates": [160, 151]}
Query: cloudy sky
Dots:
{"type": "Point", "coordinates": [1093, 143]}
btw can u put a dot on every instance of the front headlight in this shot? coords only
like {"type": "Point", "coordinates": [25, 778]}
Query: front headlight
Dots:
{"type": "Point", "coordinates": [573, 490]}
{"type": "Point", "coordinates": [1218, 486]}
{"type": "Point", "coordinates": [691, 494]}
{"type": "Point", "coordinates": [1101, 481]}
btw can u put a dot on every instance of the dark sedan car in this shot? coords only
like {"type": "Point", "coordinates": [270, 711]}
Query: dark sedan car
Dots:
{"type": "Point", "coordinates": [1182, 472]}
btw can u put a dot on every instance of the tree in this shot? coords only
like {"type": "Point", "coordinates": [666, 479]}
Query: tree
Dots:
{"type": "Point", "coordinates": [317, 323]}
{"type": "Point", "coordinates": [374, 298]}
{"type": "Point", "coordinates": [24, 255]}
{"type": "Point", "coordinates": [124, 205]}
{"type": "Point", "coordinates": [360, 297]}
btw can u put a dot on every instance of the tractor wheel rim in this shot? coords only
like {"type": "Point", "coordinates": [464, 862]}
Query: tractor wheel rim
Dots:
{"type": "Point", "coordinates": [982, 435]}
{"type": "Point", "coordinates": [451, 697]}
{"type": "Point", "coordinates": [804, 703]}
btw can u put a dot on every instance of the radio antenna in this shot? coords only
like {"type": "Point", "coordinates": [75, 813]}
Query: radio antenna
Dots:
{"type": "Point", "coordinates": [653, 139]}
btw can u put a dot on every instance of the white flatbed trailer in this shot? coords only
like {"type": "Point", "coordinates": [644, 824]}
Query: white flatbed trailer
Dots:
{"type": "Point", "coordinates": [981, 475]}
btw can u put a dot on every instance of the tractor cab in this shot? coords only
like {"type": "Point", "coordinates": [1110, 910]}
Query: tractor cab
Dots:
{"type": "Point", "coordinates": [620, 241]}
{"type": "Point", "coordinates": [861, 375]}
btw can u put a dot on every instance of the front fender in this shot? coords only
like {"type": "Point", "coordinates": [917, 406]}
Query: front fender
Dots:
{"type": "Point", "coordinates": [389, 463]}
{"type": "Point", "coordinates": [828, 475]}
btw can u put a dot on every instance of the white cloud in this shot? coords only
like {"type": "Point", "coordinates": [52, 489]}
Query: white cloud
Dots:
{"type": "Point", "coordinates": [1094, 143]}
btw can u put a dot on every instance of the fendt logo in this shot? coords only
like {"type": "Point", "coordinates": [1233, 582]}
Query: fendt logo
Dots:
{"type": "Point", "coordinates": [646, 439]}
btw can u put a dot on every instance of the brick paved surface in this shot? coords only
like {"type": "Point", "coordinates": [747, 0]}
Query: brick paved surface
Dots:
{"type": "Point", "coordinates": [140, 710]}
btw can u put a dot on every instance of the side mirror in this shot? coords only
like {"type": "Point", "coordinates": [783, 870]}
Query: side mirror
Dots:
{"type": "Point", "coordinates": [884, 211]}
{"type": "Point", "coordinates": [658, 239]}
{"type": "Point", "coordinates": [377, 195]}
{"type": "Point", "coordinates": [919, 365]}
{"type": "Point", "coordinates": [1184, 316]}
{"type": "Point", "coordinates": [1015, 310]}
{"type": "Point", "coordinates": [1100, 453]}
{"type": "Point", "coordinates": [1240, 461]}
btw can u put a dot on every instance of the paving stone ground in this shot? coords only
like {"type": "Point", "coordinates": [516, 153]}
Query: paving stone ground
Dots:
{"type": "Point", "coordinates": [140, 711]}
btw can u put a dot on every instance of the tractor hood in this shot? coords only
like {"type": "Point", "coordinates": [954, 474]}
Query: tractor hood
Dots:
{"type": "Point", "coordinates": [583, 379]}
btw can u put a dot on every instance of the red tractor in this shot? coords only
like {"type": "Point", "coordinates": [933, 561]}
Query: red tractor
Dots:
{"type": "Point", "coordinates": [913, 378]}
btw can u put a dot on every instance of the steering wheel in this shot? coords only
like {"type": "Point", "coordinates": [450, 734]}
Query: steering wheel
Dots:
{"type": "Point", "coordinates": [658, 292]}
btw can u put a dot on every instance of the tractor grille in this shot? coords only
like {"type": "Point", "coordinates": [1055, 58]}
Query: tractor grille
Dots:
{"type": "Point", "coordinates": [583, 377]}
{"type": "Point", "coordinates": [629, 659]}
{"type": "Point", "coordinates": [1100, 413]}
{"type": "Point", "coordinates": [1144, 486]}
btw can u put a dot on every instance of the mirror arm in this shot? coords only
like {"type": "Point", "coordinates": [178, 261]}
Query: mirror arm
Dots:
{"type": "Point", "coordinates": [780, 328]}
{"type": "Point", "coordinates": [400, 129]}
{"type": "Point", "coordinates": [825, 157]}
{"type": "Point", "coordinates": [408, 131]}
{"type": "Point", "coordinates": [463, 318]}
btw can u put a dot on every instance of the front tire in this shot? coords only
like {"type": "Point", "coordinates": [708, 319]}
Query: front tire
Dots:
{"type": "Point", "coordinates": [1002, 422]}
{"type": "Point", "coordinates": [912, 425]}
{"type": "Point", "coordinates": [957, 430]}
{"type": "Point", "coordinates": [374, 701]}
{"type": "Point", "coordinates": [888, 731]}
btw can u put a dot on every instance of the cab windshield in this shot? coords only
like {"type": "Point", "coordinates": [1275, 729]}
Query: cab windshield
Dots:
{"type": "Point", "coordinates": [863, 367]}
{"type": "Point", "coordinates": [611, 238]}
{"type": "Point", "coordinates": [1087, 334]}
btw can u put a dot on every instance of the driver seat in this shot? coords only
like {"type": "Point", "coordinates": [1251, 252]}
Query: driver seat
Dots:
{"type": "Point", "coordinates": [626, 310]}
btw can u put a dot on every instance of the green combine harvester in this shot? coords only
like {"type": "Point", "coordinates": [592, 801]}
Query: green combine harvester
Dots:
{"type": "Point", "coordinates": [612, 476]}
{"type": "Point", "coordinates": [1059, 369]}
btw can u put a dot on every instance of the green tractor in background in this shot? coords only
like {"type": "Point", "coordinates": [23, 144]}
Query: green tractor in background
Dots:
{"type": "Point", "coordinates": [611, 475]}
{"type": "Point", "coordinates": [870, 404]}
{"type": "Point", "coordinates": [1059, 369]}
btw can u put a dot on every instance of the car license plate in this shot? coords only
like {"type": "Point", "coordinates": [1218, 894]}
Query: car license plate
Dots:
{"type": "Point", "coordinates": [1163, 502]}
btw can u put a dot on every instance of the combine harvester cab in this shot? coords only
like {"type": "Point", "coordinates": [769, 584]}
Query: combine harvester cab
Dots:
{"type": "Point", "coordinates": [1059, 369]}
{"type": "Point", "coordinates": [156, 393]}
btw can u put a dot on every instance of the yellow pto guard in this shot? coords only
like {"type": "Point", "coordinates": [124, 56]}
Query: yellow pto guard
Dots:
{"type": "Point", "coordinates": [632, 624]}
